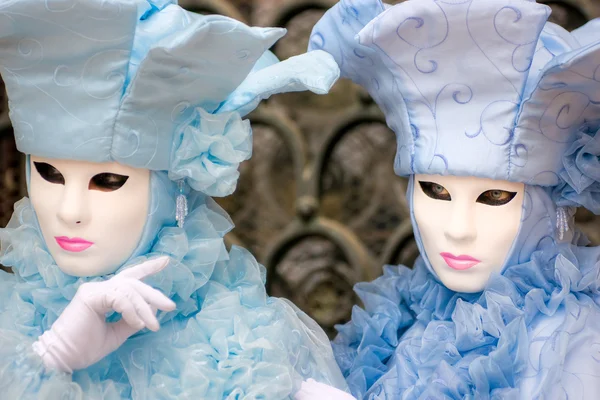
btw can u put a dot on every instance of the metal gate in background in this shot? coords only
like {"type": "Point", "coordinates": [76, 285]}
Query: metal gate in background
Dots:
{"type": "Point", "coordinates": [318, 204]}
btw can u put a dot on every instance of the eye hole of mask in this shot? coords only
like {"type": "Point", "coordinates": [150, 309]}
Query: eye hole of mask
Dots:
{"type": "Point", "coordinates": [435, 191]}
{"type": "Point", "coordinates": [49, 173]}
{"type": "Point", "coordinates": [108, 182]}
{"type": "Point", "coordinates": [496, 197]}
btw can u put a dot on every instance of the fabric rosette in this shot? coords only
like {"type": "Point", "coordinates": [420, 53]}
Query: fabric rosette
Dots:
{"type": "Point", "coordinates": [208, 151]}
{"type": "Point", "coordinates": [581, 174]}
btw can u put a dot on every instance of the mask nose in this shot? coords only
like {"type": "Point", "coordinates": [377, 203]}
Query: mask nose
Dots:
{"type": "Point", "coordinates": [73, 210]}
{"type": "Point", "coordinates": [461, 224]}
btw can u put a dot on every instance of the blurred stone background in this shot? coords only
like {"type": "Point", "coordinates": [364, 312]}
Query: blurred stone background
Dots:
{"type": "Point", "coordinates": [318, 204]}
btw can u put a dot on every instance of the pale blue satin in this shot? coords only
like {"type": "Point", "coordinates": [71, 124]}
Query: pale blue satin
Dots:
{"type": "Point", "coordinates": [517, 82]}
{"type": "Point", "coordinates": [130, 90]}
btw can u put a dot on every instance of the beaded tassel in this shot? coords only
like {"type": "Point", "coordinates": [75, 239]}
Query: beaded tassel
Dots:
{"type": "Point", "coordinates": [181, 210]}
{"type": "Point", "coordinates": [562, 221]}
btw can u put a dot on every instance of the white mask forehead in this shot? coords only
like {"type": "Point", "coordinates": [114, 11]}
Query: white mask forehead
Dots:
{"type": "Point", "coordinates": [89, 229]}
{"type": "Point", "coordinates": [466, 231]}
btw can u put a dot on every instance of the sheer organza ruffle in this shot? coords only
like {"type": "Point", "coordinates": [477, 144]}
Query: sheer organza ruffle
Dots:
{"type": "Point", "coordinates": [581, 174]}
{"type": "Point", "coordinates": [227, 338]}
{"type": "Point", "coordinates": [209, 151]}
{"type": "Point", "coordinates": [416, 338]}
{"type": "Point", "coordinates": [242, 344]}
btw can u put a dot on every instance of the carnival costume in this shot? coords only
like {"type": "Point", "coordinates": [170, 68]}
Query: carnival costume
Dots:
{"type": "Point", "coordinates": [150, 85]}
{"type": "Point", "coordinates": [489, 89]}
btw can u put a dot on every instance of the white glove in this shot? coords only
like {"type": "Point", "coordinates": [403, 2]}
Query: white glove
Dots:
{"type": "Point", "coordinates": [81, 336]}
{"type": "Point", "coordinates": [313, 390]}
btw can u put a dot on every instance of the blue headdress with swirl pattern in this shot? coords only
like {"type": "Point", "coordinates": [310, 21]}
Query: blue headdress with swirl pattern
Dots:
{"type": "Point", "coordinates": [459, 106]}
{"type": "Point", "coordinates": [146, 84]}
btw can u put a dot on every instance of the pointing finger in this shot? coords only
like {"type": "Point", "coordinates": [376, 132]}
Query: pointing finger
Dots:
{"type": "Point", "coordinates": [146, 268]}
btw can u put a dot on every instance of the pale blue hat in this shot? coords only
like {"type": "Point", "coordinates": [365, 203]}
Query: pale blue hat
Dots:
{"type": "Point", "coordinates": [459, 105]}
{"type": "Point", "coordinates": [143, 83]}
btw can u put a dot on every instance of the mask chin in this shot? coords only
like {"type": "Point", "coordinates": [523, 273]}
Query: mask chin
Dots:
{"type": "Point", "coordinates": [536, 217]}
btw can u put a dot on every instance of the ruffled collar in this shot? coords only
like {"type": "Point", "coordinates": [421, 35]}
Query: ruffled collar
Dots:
{"type": "Point", "coordinates": [194, 250]}
{"type": "Point", "coordinates": [465, 345]}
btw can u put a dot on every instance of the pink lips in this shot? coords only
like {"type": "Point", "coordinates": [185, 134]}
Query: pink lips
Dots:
{"type": "Point", "coordinates": [75, 245]}
{"type": "Point", "coordinates": [459, 262]}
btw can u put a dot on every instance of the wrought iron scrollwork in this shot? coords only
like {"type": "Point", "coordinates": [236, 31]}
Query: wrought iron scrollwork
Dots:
{"type": "Point", "coordinates": [11, 164]}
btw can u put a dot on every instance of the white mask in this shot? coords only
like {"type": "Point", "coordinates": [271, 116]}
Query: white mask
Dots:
{"type": "Point", "coordinates": [92, 215]}
{"type": "Point", "coordinates": [467, 226]}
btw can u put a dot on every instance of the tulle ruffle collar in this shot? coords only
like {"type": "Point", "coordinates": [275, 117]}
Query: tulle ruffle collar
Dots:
{"type": "Point", "coordinates": [227, 339]}
{"type": "Point", "coordinates": [471, 346]}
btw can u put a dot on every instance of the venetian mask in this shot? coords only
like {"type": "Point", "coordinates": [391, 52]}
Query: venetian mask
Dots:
{"type": "Point", "coordinates": [467, 226]}
{"type": "Point", "coordinates": [92, 215]}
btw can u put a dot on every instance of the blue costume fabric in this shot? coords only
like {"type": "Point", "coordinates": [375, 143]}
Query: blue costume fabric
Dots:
{"type": "Point", "coordinates": [150, 85]}
{"type": "Point", "coordinates": [490, 89]}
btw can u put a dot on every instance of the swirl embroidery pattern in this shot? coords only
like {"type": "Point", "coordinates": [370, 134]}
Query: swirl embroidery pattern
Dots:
{"type": "Point", "coordinates": [437, 68]}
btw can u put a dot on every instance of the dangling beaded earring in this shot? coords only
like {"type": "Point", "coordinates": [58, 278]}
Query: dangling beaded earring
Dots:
{"type": "Point", "coordinates": [564, 217]}
{"type": "Point", "coordinates": [181, 210]}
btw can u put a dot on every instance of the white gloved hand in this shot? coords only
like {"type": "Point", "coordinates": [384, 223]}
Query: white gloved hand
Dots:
{"type": "Point", "coordinates": [313, 390]}
{"type": "Point", "coordinates": [81, 336]}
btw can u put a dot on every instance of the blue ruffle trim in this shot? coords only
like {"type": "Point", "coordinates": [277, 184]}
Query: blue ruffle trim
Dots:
{"type": "Point", "coordinates": [227, 339]}
{"type": "Point", "coordinates": [209, 151]}
{"type": "Point", "coordinates": [24, 377]}
{"type": "Point", "coordinates": [581, 174]}
{"type": "Point", "coordinates": [417, 339]}
{"type": "Point", "coordinates": [211, 146]}
{"type": "Point", "coordinates": [242, 344]}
